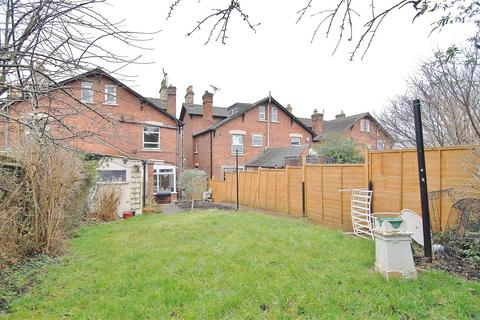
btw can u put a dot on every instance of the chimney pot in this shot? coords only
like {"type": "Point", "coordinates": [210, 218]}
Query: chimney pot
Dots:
{"type": "Point", "coordinates": [189, 96]}
{"type": "Point", "coordinates": [172, 100]}
{"type": "Point", "coordinates": [163, 92]}
{"type": "Point", "coordinates": [340, 115]}
{"type": "Point", "coordinates": [289, 108]}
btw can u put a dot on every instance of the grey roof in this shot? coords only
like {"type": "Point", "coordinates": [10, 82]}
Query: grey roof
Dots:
{"type": "Point", "coordinates": [336, 126]}
{"type": "Point", "coordinates": [275, 157]}
{"type": "Point", "coordinates": [197, 109]}
{"type": "Point", "coordinates": [158, 103]}
{"type": "Point", "coordinates": [306, 121]}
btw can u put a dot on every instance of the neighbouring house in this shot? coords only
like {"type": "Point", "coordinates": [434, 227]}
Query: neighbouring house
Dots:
{"type": "Point", "coordinates": [362, 128]}
{"type": "Point", "coordinates": [96, 113]}
{"type": "Point", "coordinates": [213, 135]}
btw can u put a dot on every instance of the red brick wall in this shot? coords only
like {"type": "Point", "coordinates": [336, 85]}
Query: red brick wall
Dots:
{"type": "Point", "coordinates": [363, 139]}
{"type": "Point", "coordinates": [222, 156]}
{"type": "Point", "coordinates": [122, 137]}
{"type": "Point", "coordinates": [192, 124]}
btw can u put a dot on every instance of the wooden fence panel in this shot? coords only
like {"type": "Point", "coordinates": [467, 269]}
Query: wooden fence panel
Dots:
{"type": "Point", "coordinates": [295, 179]}
{"type": "Point", "coordinates": [393, 173]}
{"type": "Point", "coordinates": [314, 193]}
{"type": "Point", "coordinates": [271, 190]}
{"type": "Point", "coordinates": [281, 192]}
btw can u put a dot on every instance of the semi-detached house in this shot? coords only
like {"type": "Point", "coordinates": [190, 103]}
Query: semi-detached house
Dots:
{"type": "Point", "coordinates": [213, 135]}
{"type": "Point", "coordinates": [137, 128]}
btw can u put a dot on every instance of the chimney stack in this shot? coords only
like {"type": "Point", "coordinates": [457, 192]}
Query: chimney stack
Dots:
{"type": "Point", "coordinates": [317, 122]}
{"type": "Point", "coordinates": [340, 115]}
{"type": "Point", "coordinates": [172, 100]}
{"type": "Point", "coordinates": [163, 92]}
{"type": "Point", "coordinates": [189, 96]}
{"type": "Point", "coordinates": [207, 108]}
{"type": "Point", "coordinates": [289, 108]}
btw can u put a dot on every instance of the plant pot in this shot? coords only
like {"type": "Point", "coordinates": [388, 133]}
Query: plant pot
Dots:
{"type": "Point", "coordinates": [128, 214]}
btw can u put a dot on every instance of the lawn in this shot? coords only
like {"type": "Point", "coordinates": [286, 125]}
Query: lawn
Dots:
{"type": "Point", "coordinates": [222, 265]}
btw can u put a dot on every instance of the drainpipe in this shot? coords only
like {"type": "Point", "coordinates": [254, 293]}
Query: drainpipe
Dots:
{"type": "Point", "coordinates": [144, 164]}
{"type": "Point", "coordinates": [211, 154]}
{"type": "Point", "coordinates": [268, 118]}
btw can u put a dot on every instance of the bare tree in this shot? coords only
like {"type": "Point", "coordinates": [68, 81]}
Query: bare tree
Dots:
{"type": "Point", "coordinates": [344, 17]}
{"type": "Point", "coordinates": [45, 41]}
{"type": "Point", "coordinates": [449, 87]}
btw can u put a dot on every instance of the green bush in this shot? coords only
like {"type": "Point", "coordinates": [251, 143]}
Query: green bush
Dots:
{"type": "Point", "coordinates": [339, 149]}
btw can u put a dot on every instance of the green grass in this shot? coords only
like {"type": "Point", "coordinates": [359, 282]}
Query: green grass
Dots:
{"type": "Point", "coordinates": [223, 265]}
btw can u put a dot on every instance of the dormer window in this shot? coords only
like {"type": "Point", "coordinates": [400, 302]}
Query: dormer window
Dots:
{"type": "Point", "coordinates": [232, 111]}
{"type": "Point", "coordinates": [86, 92]}
{"type": "Point", "coordinates": [110, 94]}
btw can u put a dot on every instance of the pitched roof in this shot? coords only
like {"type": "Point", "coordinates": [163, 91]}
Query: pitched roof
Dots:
{"type": "Point", "coordinates": [100, 71]}
{"type": "Point", "coordinates": [306, 121]}
{"type": "Point", "coordinates": [335, 126]}
{"type": "Point", "coordinates": [246, 107]}
{"type": "Point", "coordinates": [275, 157]}
{"type": "Point", "coordinates": [197, 109]}
{"type": "Point", "coordinates": [158, 102]}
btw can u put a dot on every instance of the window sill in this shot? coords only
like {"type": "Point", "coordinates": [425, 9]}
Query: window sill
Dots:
{"type": "Point", "coordinates": [151, 150]}
{"type": "Point", "coordinates": [257, 146]}
{"type": "Point", "coordinates": [275, 121]}
{"type": "Point", "coordinates": [259, 120]}
{"type": "Point", "coordinates": [240, 154]}
{"type": "Point", "coordinates": [110, 104]}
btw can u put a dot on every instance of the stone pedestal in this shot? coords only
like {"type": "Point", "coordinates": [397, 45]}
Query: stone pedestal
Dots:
{"type": "Point", "coordinates": [393, 252]}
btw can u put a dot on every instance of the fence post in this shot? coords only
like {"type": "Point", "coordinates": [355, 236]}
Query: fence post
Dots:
{"type": "Point", "coordinates": [422, 176]}
{"type": "Point", "coordinates": [287, 181]}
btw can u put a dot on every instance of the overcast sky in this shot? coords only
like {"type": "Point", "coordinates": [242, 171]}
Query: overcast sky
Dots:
{"type": "Point", "coordinates": [278, 58]}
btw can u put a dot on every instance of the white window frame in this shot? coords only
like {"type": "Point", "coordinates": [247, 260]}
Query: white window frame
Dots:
{"type": "Point", "coordinates": [230, 169]}
{"type": "Point", "coordinates": [232, 145]}
{"type": "Point", "coordinates": [257, 136]}
{"type": "Point", "coordinates": [296, 138]}
{"type": "Point", "coordinates": [262, 115]}
{"type": "Point", "coordinates": [365, 125]}
{"type": "Point", "coordinates": [380, 145]}
{"type": "Point", "coordinates": [150, 143]}
{"type": "Point", "coordinates": [274, 116]}
{"type": "Point", "coordinates": [232, 111]}
{"type": "Point", "coordinates": [86, 86]}
{"type": "Point", "coordinates": [157, 168]}
{"type": "Point", "coordinates": [112, 95]}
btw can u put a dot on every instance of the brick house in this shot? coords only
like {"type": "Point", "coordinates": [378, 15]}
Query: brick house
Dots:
{"type": "Point", "coordinates": [212, 135]}
{"type": "Point", "coordinates": [362, 128]}
{"type": "Point", "coordinates": [109, 118]}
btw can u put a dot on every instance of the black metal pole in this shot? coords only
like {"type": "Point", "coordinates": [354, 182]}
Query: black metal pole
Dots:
{"type": "Point", "coordinates": [236, 160]}
{"type": "Point", "coordinates": [422, 176]}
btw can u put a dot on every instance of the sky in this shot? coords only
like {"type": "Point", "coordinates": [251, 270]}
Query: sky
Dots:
{"type": "Point", "coordinates": [279, 57]}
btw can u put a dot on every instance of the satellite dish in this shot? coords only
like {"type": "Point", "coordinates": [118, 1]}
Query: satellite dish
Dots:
{"type": "Point", "coordinates": [414, 224]}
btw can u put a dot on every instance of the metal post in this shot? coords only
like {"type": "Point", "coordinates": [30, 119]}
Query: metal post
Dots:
{"type": "Point", "coordinates": [236, 160]}
{"type": "Point", "coordinates": [422, 175]}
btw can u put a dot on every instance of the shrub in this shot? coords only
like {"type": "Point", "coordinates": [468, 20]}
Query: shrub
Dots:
{"type": "Point", "coordinates": [107, 203]}
{"type": "Point", "coordinates": [194, 182]}
{"type": "Point", "coordinates": [339, 149]}
{"type": "Point", "coordinates": [41, 199]}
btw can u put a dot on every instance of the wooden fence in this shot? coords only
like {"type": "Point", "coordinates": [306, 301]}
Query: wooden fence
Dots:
{"type": "Point", "coordinates": [320, 192]}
